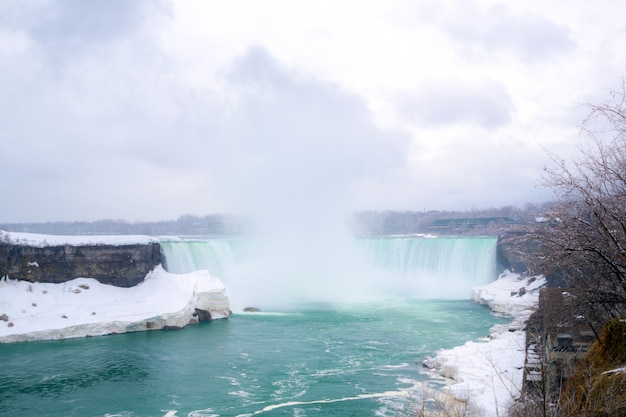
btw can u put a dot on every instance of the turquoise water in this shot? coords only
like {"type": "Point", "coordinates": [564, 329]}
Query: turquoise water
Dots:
{"type": "Point", "coordinates": [322, 360]}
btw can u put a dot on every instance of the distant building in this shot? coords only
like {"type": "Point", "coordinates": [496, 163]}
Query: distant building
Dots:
{"type": "Point", "coordinates": [465, 224]}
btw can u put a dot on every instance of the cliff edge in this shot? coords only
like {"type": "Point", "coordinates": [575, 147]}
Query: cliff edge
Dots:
{"type": "Point", "coordinates": [114, 260]}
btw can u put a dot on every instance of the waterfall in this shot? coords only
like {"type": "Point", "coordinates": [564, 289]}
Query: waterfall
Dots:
{"type": "Point", "coordinates": [192, 254]}
{"type": "Point", "coordinates": [415, 266]}
{"type": "Point", "coordinates": [471, 258]}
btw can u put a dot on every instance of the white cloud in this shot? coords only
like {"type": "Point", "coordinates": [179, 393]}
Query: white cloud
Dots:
{"type": "Point", "coordinates": [152, 110]}
{"type": "Point", "coordinates": [496, 27]}
{"type": "Point", "coordinates": [446, 102]}
{"type": "Point", "coordinates": [299, 144]}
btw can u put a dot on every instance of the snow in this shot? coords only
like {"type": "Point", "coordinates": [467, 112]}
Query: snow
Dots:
{"type": "Point", "coordinates": [39, 240]}
{"type": "Point", "coordinates": [621, 370]}
{"type": "Point", "coordinates": [84, 307]}
{"type": "Point", "coordinates": [489, 374]}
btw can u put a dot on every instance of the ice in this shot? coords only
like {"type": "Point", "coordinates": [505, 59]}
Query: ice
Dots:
{"type": "Point", "coordinates": [489, 374]}
{"type": "Point", "coordinates": [621, 370]}
{"type": "Point", "coordinates": [84, 307]}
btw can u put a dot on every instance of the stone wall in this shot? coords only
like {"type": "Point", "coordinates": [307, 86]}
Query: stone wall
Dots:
{"type": "Point", "coordinates": [119, 265]}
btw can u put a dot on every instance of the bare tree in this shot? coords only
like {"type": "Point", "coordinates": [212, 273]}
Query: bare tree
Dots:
{"type": "Point", "coordinates": [583, 236]}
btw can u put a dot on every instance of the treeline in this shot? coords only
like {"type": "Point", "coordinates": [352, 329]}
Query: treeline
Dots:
{"type": "Point", "coordinates": [210, 225]}
{"type": "Point", "coordinates": [361, 223]}
{"type": "Point", "coordinates": [408, 222]}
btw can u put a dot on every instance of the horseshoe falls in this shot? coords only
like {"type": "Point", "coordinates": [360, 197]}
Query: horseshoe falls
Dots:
{"type": "Point", "coordinates": [342, 331]}
{"type": "Point", "coordinates": [374, 268]}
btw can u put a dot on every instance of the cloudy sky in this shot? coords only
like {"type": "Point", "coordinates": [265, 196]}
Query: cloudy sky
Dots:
{"type": "Point", "coordinates": [148, 110]}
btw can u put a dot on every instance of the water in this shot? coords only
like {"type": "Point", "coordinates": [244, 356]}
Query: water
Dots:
{"type": "Point", "coordinates": [337, 357]}
{"type": "Point", "coordinates": [357, 360]}
{"type": "Point", "coordinates": [194, 253]}
{"type": "Point", "coordinates": [471, 257]}
{"type": "Point", "coordinates": [301, 270]}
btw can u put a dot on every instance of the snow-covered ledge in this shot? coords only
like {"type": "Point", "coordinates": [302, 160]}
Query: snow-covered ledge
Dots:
{"type": "Point", "coordinates": [489, 373]}
{"type": "Point", "coordinates": [84, 307]}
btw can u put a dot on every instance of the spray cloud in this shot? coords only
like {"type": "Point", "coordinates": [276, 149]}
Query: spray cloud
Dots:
{"type": "Point", "coordinates": [297, 150]}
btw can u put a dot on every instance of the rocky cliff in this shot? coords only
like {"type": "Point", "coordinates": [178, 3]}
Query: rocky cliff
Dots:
{"type": "Point", "coordinates": [119, 265]}
{"type": "Point", "coordinates": [512, 251]}
{"type": "Point", "coordinates": [126, 265]}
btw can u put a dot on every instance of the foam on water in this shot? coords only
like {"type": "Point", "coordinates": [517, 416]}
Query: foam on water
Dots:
{"type": "Point", "coordinates": [387, 394]}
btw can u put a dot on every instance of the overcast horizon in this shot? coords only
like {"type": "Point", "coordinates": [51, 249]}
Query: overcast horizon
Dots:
{"type": "Point", "coordinates": [149, 110]}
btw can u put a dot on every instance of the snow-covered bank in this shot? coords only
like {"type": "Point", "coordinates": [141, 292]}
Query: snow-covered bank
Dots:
{"type": "Point", "coordinates": [489, 374]}
{"type": "Point", "coordinates": [39, 240]}
{"type": "Point", "coordinates": [84, 307]}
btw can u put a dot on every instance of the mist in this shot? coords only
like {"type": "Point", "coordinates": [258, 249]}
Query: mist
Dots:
{"type": "Point", "coordinates": [299, 151]}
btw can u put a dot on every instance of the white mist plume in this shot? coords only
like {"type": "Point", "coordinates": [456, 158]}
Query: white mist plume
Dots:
{"type": "Point", "coordinates": [300, 150]}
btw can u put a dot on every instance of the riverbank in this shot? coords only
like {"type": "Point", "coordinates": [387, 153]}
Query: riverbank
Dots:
{"type": "Point", "coordinates": [84, 307]}
{"type": "Point", "coordinates": [488, 374]}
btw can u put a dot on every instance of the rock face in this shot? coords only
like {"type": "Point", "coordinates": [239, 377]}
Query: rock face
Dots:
{"type": "Point", "coordinates": [119, 265]}
{"type": "Point", "coordinates": [511, 251]}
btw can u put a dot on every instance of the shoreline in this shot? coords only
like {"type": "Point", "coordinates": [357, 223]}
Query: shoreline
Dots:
{"type": "Point", "coordinates": [488, 374]}
{"type": "Point", "coordinates": [83, 307]}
